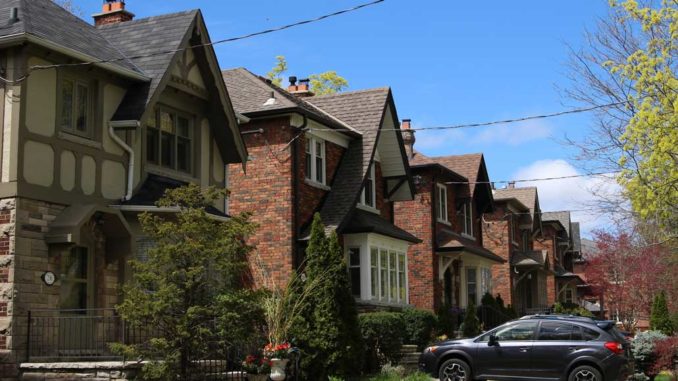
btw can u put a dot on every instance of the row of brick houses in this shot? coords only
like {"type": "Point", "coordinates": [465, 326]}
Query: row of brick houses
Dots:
{"type": "Point", "coordinates": [86, 148]}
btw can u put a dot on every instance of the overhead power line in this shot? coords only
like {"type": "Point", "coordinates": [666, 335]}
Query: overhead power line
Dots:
{"type": "Point", "coordinates": [222, 41]}
{"type": "Point", "coordinates": [535, 180]}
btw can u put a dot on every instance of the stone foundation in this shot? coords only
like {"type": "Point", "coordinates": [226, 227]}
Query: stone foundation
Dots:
{"type": "Point", "coordinates": [90, 371]}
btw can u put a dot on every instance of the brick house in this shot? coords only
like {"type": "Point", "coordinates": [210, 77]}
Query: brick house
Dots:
{"type": "Point", "coordinates": [514, 232]}
{"type": "Point", "coordinates": [567, 252]}
{"type": "Point", "coordinates": [85, 148]}
{"type": "Point", "coordinates": [450, 266]}
{"type": "Point", "coordinates": [339, 155]}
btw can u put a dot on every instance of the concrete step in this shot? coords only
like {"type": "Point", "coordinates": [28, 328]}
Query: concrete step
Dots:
{"type": "Point", "coordinates": [408, 348]}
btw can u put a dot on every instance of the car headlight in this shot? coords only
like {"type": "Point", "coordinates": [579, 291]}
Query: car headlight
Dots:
{"type": "Point", "coordinates": [431, 349]}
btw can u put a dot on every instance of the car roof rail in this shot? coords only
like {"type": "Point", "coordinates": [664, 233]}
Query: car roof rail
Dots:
{"type": "Point", "coordinates": [557, 317]}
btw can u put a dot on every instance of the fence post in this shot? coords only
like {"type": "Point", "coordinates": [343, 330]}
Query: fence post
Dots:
{"type": "Point", "coordinates": [28, 338]}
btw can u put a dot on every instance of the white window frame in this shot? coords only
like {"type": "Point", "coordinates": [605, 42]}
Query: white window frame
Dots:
{"type": "Point", "coordinates": [485, 281]}
{"type": "Point", "coordinates": [371, 178]}
{"type": "Point", "coordinates": [441, 210]}
{"type": "Point", "coordinates": [312, 150]}
{"type": "Point", "coordinates": [467, 214]}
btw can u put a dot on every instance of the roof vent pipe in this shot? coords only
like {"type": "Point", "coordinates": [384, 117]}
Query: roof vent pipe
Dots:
{"type": "Point", "coordinates": [13, 15]}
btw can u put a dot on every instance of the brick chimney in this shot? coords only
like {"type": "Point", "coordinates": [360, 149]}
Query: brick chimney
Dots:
{"type": "Point", "coordinates": [113, 12]}
{"type": "Point", "coordinates": [408, 137]}
{"type": "Point", "coordinates": [303, 89]}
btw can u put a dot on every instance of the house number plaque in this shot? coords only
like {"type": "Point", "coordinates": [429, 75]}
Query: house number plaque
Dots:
{"type": "Point", "coordinates": [49, 278]}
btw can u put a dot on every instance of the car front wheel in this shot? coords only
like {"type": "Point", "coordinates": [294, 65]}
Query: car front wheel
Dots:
{"type": "Point", "coordinates": [585, 373]}
{"type": "Point", "coordinates": [455, 370]}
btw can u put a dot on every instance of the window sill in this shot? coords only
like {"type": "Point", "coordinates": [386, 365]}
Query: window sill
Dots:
{"type": "Point", "coordinates": [466, 235]}
{"type": "Point", "coordinates": [368, 208]}
{"type": "Point", "coordinates": [166, 172]}
{"type": "Point", "coordinates": [79, 140]}
{"type": "Point", "coordinates": [448, 223]}
{"type": "Point", "coordinates": [316, 184]}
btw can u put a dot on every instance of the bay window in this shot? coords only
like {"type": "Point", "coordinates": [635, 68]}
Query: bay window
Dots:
{"type": "Point", "coordinates": [388, 275]}
{"type": "Point", "coordinates": [471, 286]}
{"type": "Point", "coordinates": [485, 281]}
{"type": "Point", "coordinates": [354, 270]}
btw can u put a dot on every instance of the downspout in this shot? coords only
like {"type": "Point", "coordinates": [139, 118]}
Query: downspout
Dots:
{"type": "Point", "coordinates": [127, 125]}
{"type": "Point", "coordinates": [295, 187]}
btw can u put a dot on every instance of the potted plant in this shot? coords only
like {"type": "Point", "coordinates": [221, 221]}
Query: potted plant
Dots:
{"type": "Point", "coordinates": [257, 367]}
{"type": "Point", "coordinates": [278, 353]}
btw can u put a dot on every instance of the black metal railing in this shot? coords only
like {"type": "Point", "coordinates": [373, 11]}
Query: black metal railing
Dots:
{"type": "Point", "coordinates": [491, 316]}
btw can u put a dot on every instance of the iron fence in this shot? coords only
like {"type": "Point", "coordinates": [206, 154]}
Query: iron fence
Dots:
{"type": "Point", "coordinates": [89, 335]}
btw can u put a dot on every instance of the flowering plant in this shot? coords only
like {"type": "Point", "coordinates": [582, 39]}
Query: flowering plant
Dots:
{"type": "Point", "coordinates": [277, 351]}
{"type": "Point", "coordinates": [256, 365]}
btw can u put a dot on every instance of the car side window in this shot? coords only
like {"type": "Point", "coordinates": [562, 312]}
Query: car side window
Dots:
{"type": "Point", "coordinates": [589, 334]}
{"type": "Point", "coordinates": [516, 332]}
{"type": "Point", "coordinates": [558, 331]}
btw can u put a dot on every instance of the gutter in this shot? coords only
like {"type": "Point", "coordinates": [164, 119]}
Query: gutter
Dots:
{"type": "Point", "coordinates": [128, 125]}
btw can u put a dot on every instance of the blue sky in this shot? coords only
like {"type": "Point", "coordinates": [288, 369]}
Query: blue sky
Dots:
{"type": "Point", "coordinates": [448, 62]}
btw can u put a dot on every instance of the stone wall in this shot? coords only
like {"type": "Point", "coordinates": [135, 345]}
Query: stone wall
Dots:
{"type": "Point", "coordinates": [86, 371]}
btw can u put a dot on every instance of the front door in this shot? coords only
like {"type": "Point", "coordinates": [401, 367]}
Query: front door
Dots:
{"type": "Point", "coordinates": [76, 328]}
{"type": "Point", "coordinates": [511, 355]}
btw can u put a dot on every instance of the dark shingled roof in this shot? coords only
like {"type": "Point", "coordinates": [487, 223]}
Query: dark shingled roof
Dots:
{"type": "Point", "coordinates": [563, 217]}
{"type": "Point", "coordinates": [367, 222]}
{"type": "Point", "coordinates": [451, 241]}
{"type": "Point", "coordinates": [468, 166]}
{"type": "Point", "coordinates": [148, 37]}
{"type": "Point", "coordinates": [529, 259]}
{"type": "Point", "coordinates": [419, 160]}
{"type": "Point", "coordinates": [49, 21]}
{"type": "Point", "coordinates": [362, 110]}
{"type": "Point", "coordinates": [250, 93]}
{"type": "Point", "coordinates": [576, 237]}
{"type": "Point", "coordinates": [527, 196]}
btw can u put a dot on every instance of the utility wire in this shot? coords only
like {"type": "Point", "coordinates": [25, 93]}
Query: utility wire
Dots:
{"type": "Point", "coordinates": [537, 179]}
{"type": "Point", "coordinates": [172, 51]}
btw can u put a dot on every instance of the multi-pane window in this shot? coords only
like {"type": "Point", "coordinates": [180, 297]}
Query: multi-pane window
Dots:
{"type": "Point", "coordinates": [441, 211]}
{"type": "Point", "coordinates": [315, 160]}
{"type": "Point", "coordinates": [388, 271]}
{"type": "Point", "coordinates": [471, 285]}
{"type": "Point", "coordinates": [76, 107]}
{"type": "Point", "coordinates": [465, 218]}
{"type": "Point", "coordinates": [169, 141]}
{"type": "Point", "coordinates": [368, 197]}
{"type": "Point", "coordinates": [569, 296]}
{"type": "Point", "coordinates": [74, 279]}
{"type": "Point", "coordinates": [354, 269]}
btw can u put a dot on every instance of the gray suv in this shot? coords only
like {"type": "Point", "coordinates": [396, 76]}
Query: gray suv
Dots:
{"type": "Point", "coordinates": [537, 347]}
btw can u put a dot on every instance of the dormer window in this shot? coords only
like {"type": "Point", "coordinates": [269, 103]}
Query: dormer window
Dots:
{"type": "Point", "coordinates": [465, 218]}
{"type": "Point", "coordinates": [169, 141]}
{"type": "Point", "coordinates": [76, 110]}
{"type": "Point", "coordinates": [315, 160]}
{"type": "Point", "coordinates": [369, 196]}
{"type": "Point", "coordinates": [441, 210]}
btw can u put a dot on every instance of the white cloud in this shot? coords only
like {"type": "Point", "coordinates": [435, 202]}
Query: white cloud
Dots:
{"type": "Point", "coordinates": [581, 195]}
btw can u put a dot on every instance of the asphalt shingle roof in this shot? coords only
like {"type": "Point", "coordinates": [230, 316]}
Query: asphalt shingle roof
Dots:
{"type": "Point", "coordinates": [47, 20]}
{"type": "Point", "coordinates": [563, 217]}
{"type": "Point", "coordinates": [451, 241]}
{"type": "Point", "coordinates": [527, 196]}
{"type": "Point", "coordinates": [366, 222]}
{"type": "Point", "coordinates": [468, 166]}
{"type": "Point", "coordinates": [148, 38]}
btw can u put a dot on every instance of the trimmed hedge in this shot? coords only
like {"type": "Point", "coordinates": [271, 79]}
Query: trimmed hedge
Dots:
{"type": "Point", "coordinates": [419, 327]}
{"type": "Point", "coordinates": [383, 334]}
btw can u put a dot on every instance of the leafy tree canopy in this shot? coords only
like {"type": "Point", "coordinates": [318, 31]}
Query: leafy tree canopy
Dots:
{"type": "Point", "coordinates": [328, 82]}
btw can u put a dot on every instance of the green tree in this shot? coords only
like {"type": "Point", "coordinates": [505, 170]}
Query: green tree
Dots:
{"type": "Point", "coordinates": [660, 320]}
{"type": "Point", "coordinates": [329, 334]}
{"type": "Point", "coordinates": [328, 82]}
{"type": "Point", "coordinates": [188, 294]}
{"type": "Point", "coordinates": [632, 64]}
{"type": "Point", "coordinates": [471, 321]}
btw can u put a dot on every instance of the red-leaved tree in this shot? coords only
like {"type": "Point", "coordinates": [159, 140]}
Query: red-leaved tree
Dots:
{"type": "Point", "coordinates": [628, 275]}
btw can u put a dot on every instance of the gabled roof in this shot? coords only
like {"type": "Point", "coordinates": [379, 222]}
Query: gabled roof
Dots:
{"type": "Point", "coordinates": [448, 241]}
{"type": "Point", "coordinates": [143, 41]}
{"type": "Point", "coordinates": [472, 167]}
{"type": "Point", "coordinates": [419, 160]}
{"type": "Point", "coordinates": [367, 222]}
{"type": "Point", "coordinates": [45, 22]}
{"type": "Point", "coordinates": [251, 95]}
{"type": "Point", "coordinates": [562, 217]}
{"type": "Point", "coordinates": [528, 196]}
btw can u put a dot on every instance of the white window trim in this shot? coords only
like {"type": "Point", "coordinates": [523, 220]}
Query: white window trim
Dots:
{"type": "Point", "coordinates": [477, 285]}
{"type": "Point", "coordinates": [373, 180]}
{"type": "Point", "coordinates": [313, 141]}
{"type": "Point", "coordinates": [467, 231]}
{"type": "Point", "coordinates": [441, 213]}
{"type": "Point", "coordinates": [360, 265]}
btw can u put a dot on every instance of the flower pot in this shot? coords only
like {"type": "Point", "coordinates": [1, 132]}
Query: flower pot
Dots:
{"type": "Point", "coordinates": [257, 377]}
{"type": "Point", "coordinates": [278, 369]}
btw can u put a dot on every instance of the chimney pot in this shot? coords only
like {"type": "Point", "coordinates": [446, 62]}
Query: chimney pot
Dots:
{"type": "Point", "coordinates": [303, 89]}
{"type": "Point", "coordinates": [293, 80]}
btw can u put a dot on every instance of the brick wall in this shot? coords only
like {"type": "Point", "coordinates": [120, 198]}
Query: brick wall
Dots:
{"type": "Point", "coordinates": [266, 192]}
{"type": "Point", "coordinates": [416, 217]}
{"type": "Point", "coordinates": [547, 241]}
{"type": "Point", "coordinates": [311, 197]}
{"type": "Point", "coordinates": [496, 239]}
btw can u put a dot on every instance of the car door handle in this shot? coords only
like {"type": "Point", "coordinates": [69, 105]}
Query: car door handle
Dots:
{"type": "Point", "coordinates": [524, 349]}
{"type": "Point", "coordinates": [572, 349]}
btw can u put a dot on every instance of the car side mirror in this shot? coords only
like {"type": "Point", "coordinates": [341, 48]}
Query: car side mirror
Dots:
{"type": "Point", "coordinates": [494, 340]}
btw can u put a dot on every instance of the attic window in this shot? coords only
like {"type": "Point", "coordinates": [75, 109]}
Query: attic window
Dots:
{"type": "Point", "coordinates": [169, 141]}
{"type": "Point", "coordinates": [465, 218]}
{"type": "Point", "coordinates": [369, 196]}
{"type": "Point", "coordinates": [315, 160]}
